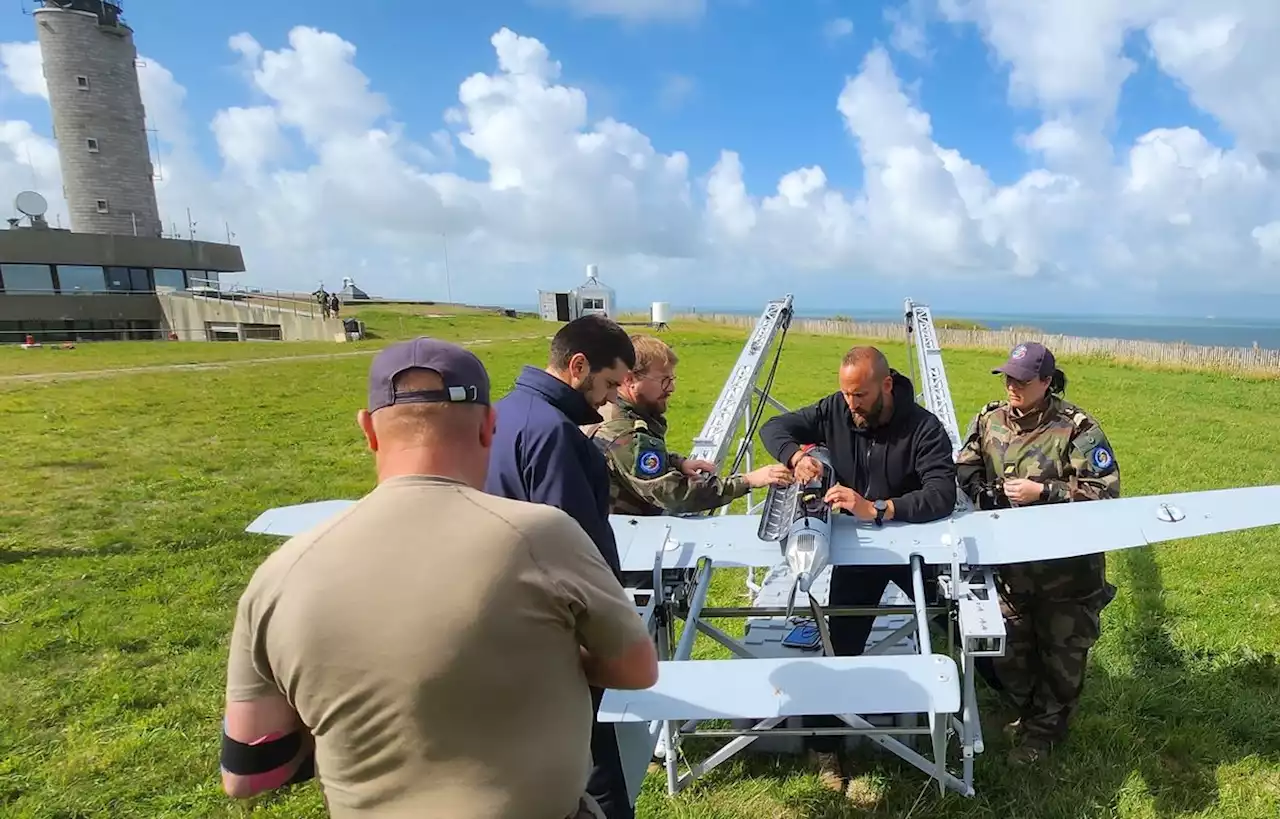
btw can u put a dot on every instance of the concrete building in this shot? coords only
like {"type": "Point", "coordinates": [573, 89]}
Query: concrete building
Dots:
{"type": "Point", "coordinates": [90, 67]}
{"type": "Point", "coordinates": [114, 275]}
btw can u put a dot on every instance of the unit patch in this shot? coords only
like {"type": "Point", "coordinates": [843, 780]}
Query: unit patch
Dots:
{"type": "Point", "coordinates": [1101, 458]}
{"type": "Point", "coordinates": [649, 462]}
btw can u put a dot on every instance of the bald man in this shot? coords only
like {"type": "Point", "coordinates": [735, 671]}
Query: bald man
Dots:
{"type": "Point", "coordinates": [430, 650]}
{"type": "Point", "coordinates": [893, 461]}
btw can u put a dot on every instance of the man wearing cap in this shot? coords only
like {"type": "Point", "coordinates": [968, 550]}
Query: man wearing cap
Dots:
{"type": "Point", "coordinates": [541, 455]}
{"type": "Point", "coordinates": [1035, 447]}
{"type": "Point", "coordinates": [430, 650]}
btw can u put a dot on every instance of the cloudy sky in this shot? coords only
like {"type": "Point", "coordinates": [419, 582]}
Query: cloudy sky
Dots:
{"type": "Point", "coordinates": [1043, 156]}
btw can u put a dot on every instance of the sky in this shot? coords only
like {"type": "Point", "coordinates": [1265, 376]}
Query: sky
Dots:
{"type": "Point", "coordinates": [997, 156]}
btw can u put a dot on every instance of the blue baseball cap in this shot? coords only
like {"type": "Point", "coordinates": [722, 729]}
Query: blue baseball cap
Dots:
{"type": "Point", "coordinates": [465, 379]}
{"type": "Point", "coordinates": [1028, 362]}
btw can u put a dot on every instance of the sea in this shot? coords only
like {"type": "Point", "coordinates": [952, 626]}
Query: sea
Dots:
{"type": "Point", "coordinates": [1214, 331]}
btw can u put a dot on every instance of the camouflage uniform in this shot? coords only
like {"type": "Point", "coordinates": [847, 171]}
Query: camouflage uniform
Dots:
{"type": "Point", "coordinates": [1052, 608]}
{"type": "Point", "coordinates": [644, 476]}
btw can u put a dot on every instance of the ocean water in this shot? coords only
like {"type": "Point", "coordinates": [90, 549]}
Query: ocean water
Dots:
{"type": "Point", "coordinates": [1212, 331]}
{"type": "Point", "coordinates": [1209, 331]}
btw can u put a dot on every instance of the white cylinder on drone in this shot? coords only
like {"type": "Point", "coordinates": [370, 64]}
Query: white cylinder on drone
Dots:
{"type": "Point", "coordinates": [808, 542]}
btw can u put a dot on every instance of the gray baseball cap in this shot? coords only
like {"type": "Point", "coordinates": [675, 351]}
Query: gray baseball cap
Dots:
{"type": "Point", "coordinates": [1027, 362]}
{"type": "Point", "coordinates": [464, 376]}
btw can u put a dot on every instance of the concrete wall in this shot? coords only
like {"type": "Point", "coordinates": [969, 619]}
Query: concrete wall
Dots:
{"type": "Point", "coordinates": [53, 307]}
{"type": "Point", "coordinates": [91, 72]}
{"type": "Point", "coordinates": [33, 246]}
{"type": "Point", "coordinates": [187, 315]}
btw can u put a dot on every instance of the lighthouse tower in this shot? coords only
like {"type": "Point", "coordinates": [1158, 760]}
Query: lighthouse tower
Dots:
{"type": "Point", "coordinates": [90, 67]}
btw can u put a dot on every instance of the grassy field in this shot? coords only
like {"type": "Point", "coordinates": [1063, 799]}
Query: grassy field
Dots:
{"type": "Point", "coordinates": [122, 554]}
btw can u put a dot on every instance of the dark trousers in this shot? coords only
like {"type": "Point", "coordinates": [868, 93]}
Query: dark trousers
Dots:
{"type": "Point", "coordinates": [606, 784]}
{"type": "Point", "coordinates": [856, 586]}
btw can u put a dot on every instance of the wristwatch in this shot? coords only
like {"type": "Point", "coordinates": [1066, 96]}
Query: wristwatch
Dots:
{"type": "Point", "coordinates": [881, 508]}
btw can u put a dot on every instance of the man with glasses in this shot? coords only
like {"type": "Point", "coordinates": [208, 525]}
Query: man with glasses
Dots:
{"type": "Point", "coordinates": [645, 477]}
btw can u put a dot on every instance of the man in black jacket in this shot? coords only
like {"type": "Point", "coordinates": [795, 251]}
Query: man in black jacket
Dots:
{"type": "Point", "coordinates": [892, 460]}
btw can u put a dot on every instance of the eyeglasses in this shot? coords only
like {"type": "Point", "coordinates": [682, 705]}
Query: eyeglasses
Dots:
{"type": "Point", "coordinates": [667, 381]}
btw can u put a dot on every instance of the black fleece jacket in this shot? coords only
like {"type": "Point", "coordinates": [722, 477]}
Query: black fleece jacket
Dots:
{"type": "Point", "coordinates": [908, 460]}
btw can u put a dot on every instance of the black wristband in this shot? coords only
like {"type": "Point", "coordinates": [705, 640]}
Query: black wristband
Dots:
{"type": "Point", "coordinates": [243, 759]}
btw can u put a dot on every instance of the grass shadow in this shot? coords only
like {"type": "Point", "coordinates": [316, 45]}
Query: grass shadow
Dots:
{"type": "Point", "coordinates": [1168, 733]}
{"type": "Point", "coordinates": [19, 555]}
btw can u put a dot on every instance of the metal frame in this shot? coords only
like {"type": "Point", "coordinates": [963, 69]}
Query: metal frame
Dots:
{"type": "Point", "coordinates": [967, 597]}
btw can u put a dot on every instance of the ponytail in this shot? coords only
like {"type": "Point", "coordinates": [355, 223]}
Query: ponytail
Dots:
{"type": "Point", "coordinates": [1058, 382]}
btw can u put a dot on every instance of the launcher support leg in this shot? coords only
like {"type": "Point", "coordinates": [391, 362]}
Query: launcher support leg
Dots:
{"type": "Point", "coordinates": [820, 620]}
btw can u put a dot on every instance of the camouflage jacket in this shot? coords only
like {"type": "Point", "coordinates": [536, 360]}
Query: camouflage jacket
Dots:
{"type": "Point", "coordinates": [1060, 446]}
{"type": "Point", "coordinates": [645, 476]}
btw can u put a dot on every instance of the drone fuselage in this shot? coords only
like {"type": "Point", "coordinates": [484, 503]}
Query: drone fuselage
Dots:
{"type": "Point", "coordinates": [807, 546]}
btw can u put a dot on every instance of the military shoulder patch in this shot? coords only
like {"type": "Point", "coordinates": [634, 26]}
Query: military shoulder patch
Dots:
{"type": "Point", "coordinates": [649, 461]}
{"type": "Point", "coordinates": [1101, 458]}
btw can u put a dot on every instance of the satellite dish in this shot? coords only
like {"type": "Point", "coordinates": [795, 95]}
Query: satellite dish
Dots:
{"type": "Point", "coordinates": [31, 203]}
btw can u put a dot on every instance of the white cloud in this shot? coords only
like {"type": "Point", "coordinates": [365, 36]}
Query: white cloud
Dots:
{"type": "Point", "coordinates": [634, 11]}
{"type": "Point", "coordinates": [676, 90]}
{"type": "Point", "coordinates": [838, 28]}
{"type": "Point", "coordinates": [318, 181]}
{"type": "Point", "coordinates": [907, 27]}
{"type": "Point", "coordinates": [22, 66]}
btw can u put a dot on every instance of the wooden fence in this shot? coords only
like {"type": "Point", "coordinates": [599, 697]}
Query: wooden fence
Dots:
{"type": "Point", "coordinates": [1250, 360]}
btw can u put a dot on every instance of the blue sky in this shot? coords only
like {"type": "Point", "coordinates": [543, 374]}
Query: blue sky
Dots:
{"type": "Point", "coordinates": [755, 77]}
{"type": "Point", "coordinates": [761, 77]}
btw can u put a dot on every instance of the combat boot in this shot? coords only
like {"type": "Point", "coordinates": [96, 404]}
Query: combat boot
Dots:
{"type": "Point", "coordinates": [1030, 751]}
{"type": "Point", "coordinates": [1013, 731]}
{"type": "Point", "coordinates": [830, 772]}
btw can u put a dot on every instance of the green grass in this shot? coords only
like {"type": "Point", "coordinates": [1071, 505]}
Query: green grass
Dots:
{"type": "Point", "coordinates": [122, 554]}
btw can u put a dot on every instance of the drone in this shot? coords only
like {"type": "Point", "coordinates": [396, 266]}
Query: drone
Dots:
{"type": "Point", "coordinates": [901, 693]}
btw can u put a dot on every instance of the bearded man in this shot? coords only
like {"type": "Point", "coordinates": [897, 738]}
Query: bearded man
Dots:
{"type": "Point", "coordinates": [893, 461]}
{"type": "Point", "coordinates": [540, 455]}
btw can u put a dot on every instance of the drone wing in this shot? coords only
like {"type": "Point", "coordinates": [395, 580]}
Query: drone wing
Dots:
{"type": "Point", "coordinates": [287, 521]}
{"type": "Point", "coordinates": [733, 540]}
{"type": "Point", "coordinates": [1071, 529]}
{"type": "Point", "coordinates": [988, 538]}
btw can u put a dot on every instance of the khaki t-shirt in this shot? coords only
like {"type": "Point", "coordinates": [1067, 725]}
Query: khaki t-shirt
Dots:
{"type": "Point", "coordinates": [429, 638]}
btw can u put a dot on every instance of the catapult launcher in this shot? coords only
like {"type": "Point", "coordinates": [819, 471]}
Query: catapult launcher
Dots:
{"type": "Point", "coordinates": [903, 693]}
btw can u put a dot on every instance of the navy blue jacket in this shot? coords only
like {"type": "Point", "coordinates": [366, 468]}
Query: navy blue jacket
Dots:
{"type": "Point", "coordinates": [540, 455]}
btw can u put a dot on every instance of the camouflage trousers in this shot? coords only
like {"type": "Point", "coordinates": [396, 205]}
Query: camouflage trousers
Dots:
{"type": "Point", "coordinates": [1052, 620]}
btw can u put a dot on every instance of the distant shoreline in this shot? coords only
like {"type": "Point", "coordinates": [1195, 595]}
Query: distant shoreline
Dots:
{"type": "Point", "coordinates": [1176, 355]}
{"type": "Point", "coordinates": [1235, 334]}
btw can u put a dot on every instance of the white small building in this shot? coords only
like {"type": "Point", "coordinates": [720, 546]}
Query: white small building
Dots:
{"type": "Point", "coordinates": [596, 297]}
{"type": "Point", "coordinates": [592, 297]}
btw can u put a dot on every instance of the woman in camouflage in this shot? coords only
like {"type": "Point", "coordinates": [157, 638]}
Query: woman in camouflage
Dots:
{"type": "Point", "coordinates": [1032, 448]}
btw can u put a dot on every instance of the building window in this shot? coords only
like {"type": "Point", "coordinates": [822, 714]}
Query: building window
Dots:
{"type": "Point", "coordinates": [128, 280]}
{"type": "Point", "coordinates": [102, 206]}
{"type": "Point", "coordinates": [170, 278]}
{"type": "Point", "coordinates": [26, 278]}
{"type": "Point", "coordinates": [77, 278]}
{"type": "Point", "coordinates": [82, 83]}
{"type": "Point", "coordinates": [93, 145]}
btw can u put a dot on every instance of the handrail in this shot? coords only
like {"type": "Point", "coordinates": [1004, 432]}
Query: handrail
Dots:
{"type": "Point", "coordinates": [284, 301]}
